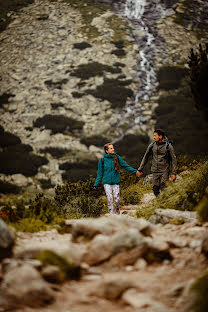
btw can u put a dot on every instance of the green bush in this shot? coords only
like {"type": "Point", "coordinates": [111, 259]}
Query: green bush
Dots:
{"type": "Point", "coordinates": [114, 91]}
{"type": "Point", "coordinates": [30, 225]}
{"type": "Point", "coordinates": [79, 171]}
{"type": "Point", "coordinates": [8, 139]}
{"type": "Point", "coordinates": [199, 289]}
{"type": "Point", "coordinates": [45, 183]}
{"type": "Point", "coordinates": [80, 199]}
{"type": "Point", "coordinates": [119, 52]}
{"type": "Point", "coordinates": [56, 105]}
{"type": "Point", "coordinates": [6, 188]}
{"type": "Point", "coordinates": [56, 152]}
{"type": "Point", "coordinates": [44, 209]}
{"type": "Point", "coordinates": [77, 95]}
{"type": "Point", "coordinates": [58, 123]}
{"type": "Point", "coordinates": [86, 71]}
{"type": "Point", "coordinates": [96, 140]}
{"type": "Point", "coordinates": [68, 270]}
{"type": "Point", "coordinates": [170, 77]}
{"type": "Point", "coordinates": [134, 192]}
{"type": "Point", "coordinates": [202, 208]}
{"type": "Point", "coordinates": [16, 159]}
{"type": "Point", "coordinates": [57, 84]}
{"type": "Point", "coordinates": [82, 45]}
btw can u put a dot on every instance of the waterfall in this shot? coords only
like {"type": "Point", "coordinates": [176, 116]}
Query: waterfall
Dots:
{"type": "Point", "coordinates": [142, 14]}
{"type": "Point", "coordinates": [135, 9]}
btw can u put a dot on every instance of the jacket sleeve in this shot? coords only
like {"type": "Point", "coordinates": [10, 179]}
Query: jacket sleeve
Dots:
{"type": "Point", "coordinates": [145, 158]}
{"type": "Point", "coordinates": [99, 173]}
{"type": "Point", "coordinates": [124, 165]}
{"type": "Point", "coordinates": [173, 159]}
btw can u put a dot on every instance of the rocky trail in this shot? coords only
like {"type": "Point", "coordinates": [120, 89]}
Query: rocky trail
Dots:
{"type": "Point", "coordinates": [124, 263]}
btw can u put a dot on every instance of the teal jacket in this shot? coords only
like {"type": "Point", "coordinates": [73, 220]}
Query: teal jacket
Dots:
{"type": "Point", "coordinates": [108, 172]}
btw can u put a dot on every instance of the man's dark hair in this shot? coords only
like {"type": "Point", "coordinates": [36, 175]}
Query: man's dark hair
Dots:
{"type": "Point", "coordinates": [160, 132]}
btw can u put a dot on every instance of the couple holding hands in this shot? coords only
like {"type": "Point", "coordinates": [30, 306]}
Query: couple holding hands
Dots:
{"type": "Point", "coordinates": [163, 156]}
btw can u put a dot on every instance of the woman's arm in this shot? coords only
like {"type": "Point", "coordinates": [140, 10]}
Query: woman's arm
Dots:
{"type": "Point", "coordinates": [99, 173]}
{"type": "Point", "coordinates": [124, 165]}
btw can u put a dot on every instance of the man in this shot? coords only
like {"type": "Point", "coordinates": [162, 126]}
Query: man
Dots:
{"type": "Point", "coordinates": [163, 155]}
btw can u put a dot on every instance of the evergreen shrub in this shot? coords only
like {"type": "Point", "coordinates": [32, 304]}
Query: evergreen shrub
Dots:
{"type": "Point", "coordinates": [58, 123]}
{"type": "Point", "coordinates": [106, 91]}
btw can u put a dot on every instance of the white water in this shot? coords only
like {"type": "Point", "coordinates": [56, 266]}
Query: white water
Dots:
{"type": "Point", "coordinates": [142, 14]}
{"type": "Point", "coordinates": [134, 10]}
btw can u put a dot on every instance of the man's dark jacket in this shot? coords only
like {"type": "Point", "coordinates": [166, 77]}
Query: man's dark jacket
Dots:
{"type": "Point", "coordinates": [162, 156]}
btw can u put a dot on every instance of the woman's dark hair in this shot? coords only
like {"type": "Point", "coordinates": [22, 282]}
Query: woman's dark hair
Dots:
{"type": "Point", "coordinates": [160, 132]}
{"type": "Point", "coordinates": [115, 158]}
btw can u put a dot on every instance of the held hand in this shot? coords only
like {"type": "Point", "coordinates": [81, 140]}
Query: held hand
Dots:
{"type": "Point", "coordinates": [139, 174]}
{"type": "Point", "coordinates": [173, 177]}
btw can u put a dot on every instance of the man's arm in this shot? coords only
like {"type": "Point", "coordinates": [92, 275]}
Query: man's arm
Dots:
{"type": "Point", "coordinates": [174, 160]}
{"type": "Point", "coordinates": [145, 158]}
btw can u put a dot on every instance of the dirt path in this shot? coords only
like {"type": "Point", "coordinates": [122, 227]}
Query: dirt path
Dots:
{"type": "Point", "coordinates": [158, 287]}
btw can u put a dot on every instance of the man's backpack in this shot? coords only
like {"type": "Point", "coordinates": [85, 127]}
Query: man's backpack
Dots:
{"type": "Point", "coordinates": [167, 150]}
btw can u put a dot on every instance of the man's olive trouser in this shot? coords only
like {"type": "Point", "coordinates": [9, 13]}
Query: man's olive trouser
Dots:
{"type": "Point", "coordinates": [159, 180]}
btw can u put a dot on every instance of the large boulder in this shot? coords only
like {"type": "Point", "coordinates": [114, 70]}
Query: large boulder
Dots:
{"type": "Point", "coordinates": [7, 239]}
{"type": "Point", "coordinates": [107, 226]}
{"type": "Point", "coordinates": [104, 247]}
{"type": "Point", "coordinates": [164, 216]}
{"type": "Point", "coordinates": [71, 252]}
{"type": "Point", "coordinates": [24, 286]}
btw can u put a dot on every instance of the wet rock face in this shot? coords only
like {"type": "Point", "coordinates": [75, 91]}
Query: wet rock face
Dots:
{"type": "Point", "coordinates": [40, 101]}
{"type": "Point", "coordinates": [38, 81]}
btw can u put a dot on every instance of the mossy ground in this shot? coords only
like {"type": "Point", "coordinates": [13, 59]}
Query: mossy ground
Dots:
{"type": "Point", "coordinates": [184, 194]}
{"type": "Point", "coordinates": [134, 193]}
{"type": "Point", "coordinates": [90, 9]}
{"type": "Point", "coordinates": [67, 269]}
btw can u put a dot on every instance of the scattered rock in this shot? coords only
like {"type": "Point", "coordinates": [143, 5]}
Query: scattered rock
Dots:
{"type": "Point", "coordinates": [112, 288]}
{"type": "Point", "coordinates": [25, 286]}
{"type": "Point", "coordinates": [6, 241]}
{"type": "Point", "coordinates": [143, 301]}
{"type": "Point", "coordinates": [204, 244]}
{"type": "Point", "coordinates": [166, 215]}
{"type": "Point", "coordinates": [52, 274]}
{"type": "Point", "coordinates": [107, 226]}
{"type": "Point", "coordinates": [103, 247]}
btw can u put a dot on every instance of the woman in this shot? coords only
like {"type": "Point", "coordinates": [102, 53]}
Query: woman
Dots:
{"type": "Point", "coordinates": [108, 169]}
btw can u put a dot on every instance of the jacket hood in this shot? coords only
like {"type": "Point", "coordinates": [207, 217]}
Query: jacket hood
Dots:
{"type": "Point", "coordinates": [164, 140]}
